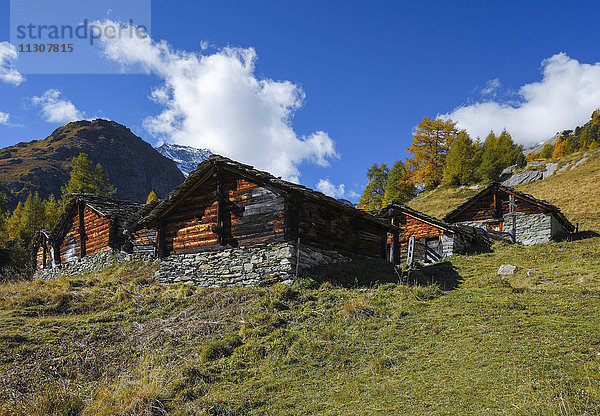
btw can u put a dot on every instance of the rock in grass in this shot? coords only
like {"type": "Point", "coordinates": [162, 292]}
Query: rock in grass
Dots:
{"type": "Point", "coordinates": [506, 269]}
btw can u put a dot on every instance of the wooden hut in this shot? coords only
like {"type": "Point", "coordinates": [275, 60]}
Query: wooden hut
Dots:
{"type": "Point", "coordinates": [91, 224]}
{"type": "Point", "coordinates": [224, 204]}
{"type": "Point", "coordinates": [42, 251]}
{"type": "Point", "coordinates": [433, 238]}
{"type": "Point", "coordinates": [502, 209]}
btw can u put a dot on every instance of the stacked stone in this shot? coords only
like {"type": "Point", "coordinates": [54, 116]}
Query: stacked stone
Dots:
{"type": "Point", "coordinates": [91, 263]}
{"type": "Point", "coordinates": [252, 265]}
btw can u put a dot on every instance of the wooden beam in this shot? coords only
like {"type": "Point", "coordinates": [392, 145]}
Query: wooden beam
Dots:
{"type": "Point", "coordinates": [161, 239]}
{"type": "Point", "coordinates": [81, 230]}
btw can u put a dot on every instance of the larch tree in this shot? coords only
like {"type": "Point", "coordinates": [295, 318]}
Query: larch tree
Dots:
{"type": "Point", "coordinates": [373, 195]}
{"type": "Point", "coordinates": [86, 178]}
{"type": "Point", "coordinates": [461, 160]}
{"type": "Point", "coordinates": [151, 197]}
{"type": "Point", "coordinates": [399, 186]}
{"type": "Point", "coordinates": [429, 147]}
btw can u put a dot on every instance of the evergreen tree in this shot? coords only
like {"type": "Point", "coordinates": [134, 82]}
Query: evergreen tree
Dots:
{"type": "Point", "coordinates": [399, 186]}
{"type": "Point", "coordinates": [547, 151]}
{"type": "Point", "coordinates": [491, 166]}
{"type": "Point", "coordinates": [151, 197]}
{"type": "Point", "coordinates": [461, 161]}
{"type": "Point", "coordinates": [430, 144]}
{"type": "Point", "coordinates": [498, 153]}
{"type": "Point", "coordinates": [521, 160]}
{"type": "Point", "coordinates": [32, 218]}
{"type": "Point", "coordinates": [51, 212]}
{"type": "Point", "coordinates": [373, 195]}
{"type": "Point", "coordinates": [87, 179]}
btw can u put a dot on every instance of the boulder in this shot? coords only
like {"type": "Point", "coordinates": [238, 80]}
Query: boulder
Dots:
{"type": "Point", "coordinates": [506, 269]}
{"type": "Point", "coordinates": [525, 176]}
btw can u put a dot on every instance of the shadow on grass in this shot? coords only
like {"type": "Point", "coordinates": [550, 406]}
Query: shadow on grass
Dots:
{"type": "Point", "coordinates": [582, 235]}
{"type": "Point", "coordinates": [376, 272]}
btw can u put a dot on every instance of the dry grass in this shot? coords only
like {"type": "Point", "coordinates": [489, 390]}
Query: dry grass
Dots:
{"type": "Point", "coordinates": [575, 191]}
{"type": "Point", "coordinates": [442, 200]}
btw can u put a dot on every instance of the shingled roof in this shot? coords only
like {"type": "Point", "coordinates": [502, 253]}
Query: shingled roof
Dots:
{"type": "Point", "coordinates": [106, 207]}
{"type": "Point", "coordinates": [260, 177]}
{"type": "Point", "coordinates": [392, 206]}
{"type": "Point", "coordinates": [494, 186]}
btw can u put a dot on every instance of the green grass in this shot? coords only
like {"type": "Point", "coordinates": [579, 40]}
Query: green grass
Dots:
{"type": "Point", "coordinates": [118, 343]}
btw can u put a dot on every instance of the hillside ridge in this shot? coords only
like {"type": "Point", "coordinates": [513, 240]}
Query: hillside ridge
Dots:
{"type": "Point", "coordinates": [43, 166]}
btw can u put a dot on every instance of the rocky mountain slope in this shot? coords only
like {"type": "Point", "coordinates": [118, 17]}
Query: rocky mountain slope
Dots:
{"type": "Point", "coordinates": [186, 157]}
{"type": "Point", "coordinates": [133, 165]}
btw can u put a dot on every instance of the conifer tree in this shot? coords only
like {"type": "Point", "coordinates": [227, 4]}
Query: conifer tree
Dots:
{"type": "Point", "coordinates": [87, 179]}
{"type": "Point", "coordinates": [547, 151]}
{"type": "Point", "coordinates": [491, 166]}
{"type": "Point", "coordinates": [461, 161]}
{"type": "Point", "coordinates": [521, 160]}
{"type": "Point", "coordinates": [399, 186]}
{"type": "Point", "coordinates": [430, 144]}
{"type": "Point", "coordinates": [373, 195]}
{"type": "Point", "coordinates": [559, 149]}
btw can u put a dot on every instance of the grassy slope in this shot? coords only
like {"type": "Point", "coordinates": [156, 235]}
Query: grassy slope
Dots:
{"type": "Point", "coordinates": [117, 343]}
{"type": "Point", "coordinates": [575, 191]}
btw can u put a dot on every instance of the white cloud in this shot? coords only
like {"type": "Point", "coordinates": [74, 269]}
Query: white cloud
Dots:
{"type": "Point", "coordinates": [335, 191]}
{"type": "Point", "coordinates": [56, 109]}
{"type": "Point", "coordinates": [565, 97]}
{"type": "Point", "coordinates": [4, 118]}
{"type": "Point", "coordinates": [8, 72]}
{"type": "Point", "coordinates": [491, 88]}
{"type": "Point", "coordinates": [216, 101]}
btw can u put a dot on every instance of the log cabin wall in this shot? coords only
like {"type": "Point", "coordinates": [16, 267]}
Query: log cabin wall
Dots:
{"type": "Point", "coordinates": [70, 247]}
{"type": "Point", "coordinates": [145, 241]}
{"type": "Point", "coordinates": [413, 227]}
{"type": "Point", "coordinates": [334, 228]}
{"type": "Point", "coordinates": [43, 256]}
{"type": "Point", "coordinates": [96, 231]}
{"type": "Point", "coordinates": [495, 206]}
{"type": "Point", "coordinates": [215, 215]}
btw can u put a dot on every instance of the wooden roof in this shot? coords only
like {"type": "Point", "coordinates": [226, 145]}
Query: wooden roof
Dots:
{"type": "Point", "coordinates": [106, 207]}
{"type": "Point", "coordinates": [494, 187]}
{"type": "Point", "coordinates": [394, 208]}
{"type": "Point", "coordinates": [216, 163]}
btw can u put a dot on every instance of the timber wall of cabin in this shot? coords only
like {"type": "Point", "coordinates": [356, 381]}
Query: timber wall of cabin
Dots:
{"type": "Point", "coordinates": [334, 228]}
{"type": "Point", "coordinates": [144, 242]}
{"type": "Point", "coordinates": [70, 246]}
{"type": "Point", "coordinates": [97, 233]}
{"type": "Point", "coordinates": [254, 214]}
{"type": "Point", "coordinates": [487, 208]}
{"type": "Point", "coordinates": [251, 215]}
{"type": "Point", "coordinates": [47, 261]}
{"type": "Point", "coordinates": [414, 227]}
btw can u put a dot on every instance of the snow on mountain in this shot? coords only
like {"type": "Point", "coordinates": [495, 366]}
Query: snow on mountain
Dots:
{"type": "Point", "coordinates": [186, 157]}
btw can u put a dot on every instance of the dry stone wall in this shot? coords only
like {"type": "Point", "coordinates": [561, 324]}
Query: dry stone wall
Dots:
{"type": "Point", "coordinates": [250, 265]}
{"type": "Point", "coordinates": [91, 263]}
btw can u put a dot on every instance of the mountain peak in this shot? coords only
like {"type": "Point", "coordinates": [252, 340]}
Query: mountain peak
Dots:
{"type": "Point", "coordinates": [186, 157]}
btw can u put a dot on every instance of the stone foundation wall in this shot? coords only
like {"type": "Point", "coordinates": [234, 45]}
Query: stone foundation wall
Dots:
{"type": "Point", "coordinates": [250, 265]}
{"type": "Point", "coordinates": [531, 228]}
{"type": "Point", "coordinates": [87, 264]}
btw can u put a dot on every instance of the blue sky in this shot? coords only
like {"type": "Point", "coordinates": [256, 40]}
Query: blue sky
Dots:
{"type": "Point", "coordinates": [344, 81]}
